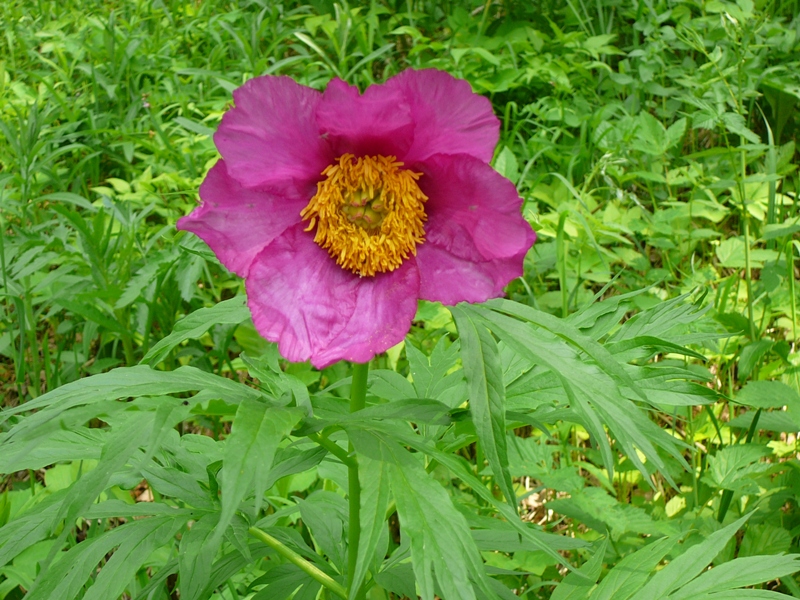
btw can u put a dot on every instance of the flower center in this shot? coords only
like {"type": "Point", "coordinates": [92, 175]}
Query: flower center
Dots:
{"type": "Point", "coordinates": [368, 212]}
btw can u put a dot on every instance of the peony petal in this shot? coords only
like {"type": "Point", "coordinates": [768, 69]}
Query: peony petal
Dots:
{"type": "Point", "coordinates": [238, 223]}
{"type": "Point", "coordinates": [450, 118]}
{"type": "Point", "coordinates": [377, 122]}
{"type": "Point", "coordinates": [271, 135]}
{"type": "Point", "coordinates": [475, 237]}
{"type": "Point", "coordinates": [314, 309]}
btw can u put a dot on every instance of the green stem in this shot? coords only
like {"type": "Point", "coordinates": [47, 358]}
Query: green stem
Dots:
{"type": "Point", "coordinates": [293, 557]}
{"type": "Point", "coordinates": [747, 264]}
{"type": "Point", "coordinates": [561, 260]}
{"type": "Point", "coordinates": [358, 399]}
{"type": "Point", "coordinates": [790, 276]}
{"type": "Point", "coordinates": [727, 495]}
{"type": "Point", "coordinates": [333, 448]}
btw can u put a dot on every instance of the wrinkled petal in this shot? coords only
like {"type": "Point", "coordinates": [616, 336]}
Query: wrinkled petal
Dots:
{"type": "Point", "coordinates": [237, 223]}
{"type": "Point", "coordinates": [314, 309]}
{"type": "Point", "coordinates": [377, 122]}
{"type": "Point", "coordinates": [271, 135]}
{"type": "Point", "coordinates": [449, 117]}
{"type": "Point", "coordinates": [475, 236]}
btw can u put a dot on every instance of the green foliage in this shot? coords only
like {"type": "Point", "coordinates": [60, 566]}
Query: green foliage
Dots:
{"type": "Point", "coordinates": [625, 419]}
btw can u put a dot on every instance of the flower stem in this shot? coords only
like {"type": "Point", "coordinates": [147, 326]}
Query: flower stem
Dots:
{"type": "Point", "coordinates": [358, 396]}
{"type": "Point", "coordinates": [293, 557]}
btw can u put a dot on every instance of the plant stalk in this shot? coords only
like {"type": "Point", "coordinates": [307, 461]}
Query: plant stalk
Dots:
{"type": "Point", "coordinates": [358, 399]}
{"type": "Point", "coordinates": [293, 557]}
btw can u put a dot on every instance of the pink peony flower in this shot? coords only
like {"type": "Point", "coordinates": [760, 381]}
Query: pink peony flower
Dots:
{"type": "Point", "coordinates": [341, 209]}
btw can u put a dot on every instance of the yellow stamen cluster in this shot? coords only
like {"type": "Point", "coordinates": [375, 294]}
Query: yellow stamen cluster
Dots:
{"type": "Point", "coordinates": [369, 213]}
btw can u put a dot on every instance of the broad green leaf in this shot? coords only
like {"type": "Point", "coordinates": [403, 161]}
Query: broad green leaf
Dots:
{"type": "Point", "coordinates": [739, 572]}
{"type": "Point", "coordinates": [257, 430]}
{"type": "Point", "coordinates": [440, 539]}
{"type": "Point", "coordinates": [125, 382]}
{"type": "Point", "coordinates": [194, 325]}
{"type": "Point", "coordinates": [731, 466]}
{"type": "Point", "coordinates": [688, 565]}
{"type": "Point", "coordinates": [577, 585]}
{"type": "Point", "coordinates": [763, 538]}
{"type": "Point", "coordinates": [282, 581]}
{"type": "Point", "coordinates": [120, 444]}
{"type": "Point", "coordinates": [570, 334]}
{"type": "Point", "coordinates": [174, 483]}
{"type": "Point", "coordinates": [631, 572]}
{"type": "Point", "coordinates": [198, 549]}
{"type": "Point", "coordinates": [743, 595]}
{"type": "Point", "coordinates": [31, 527]}
{"type": "Point", "coordinates": [750, 356]}
{"type": "Point", "coordinates": [325, 514]}
{"type": "Point", "coordinates": [484, 373]}
{"type": "Point", "coordinates": [430, 374]}
{"type": "Point", "coordinates": [461, 469]}
{"type": "Point", "coordinates": [134, 542]}
{"type": "Point", "coordinates": [768, 394]}
{"type": "Point", "coordinates": [80, 443]}
{"type": "Point", "coordinates": [373, 475]}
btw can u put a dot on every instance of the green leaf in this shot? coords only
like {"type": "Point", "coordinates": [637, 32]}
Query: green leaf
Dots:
{"type": "Point", "coordinates": [134, 543]}
{"type": "Point", "coordinates": [194, 325]}
{"type": "Point", "coordinates": [257, 430]}
{"type": "Point", "coordinates": [631, 572]}
{"type": "Point", "coordinates": [125, 382]}
{"type": "Point", "coordinates": [484, 372]}
{"type": "Point", "coordinates": [577, 585]}
{"type": "Point", "coordinates": [32, 527]}
{"type": "Point", "coordinates": [325, 514]}
{"type": "Point", "coordinates": [64, 445]}
{"type": "Point", "coordinates": [120, 444]}
{"type": "Point", "coordinates": [373, 475]}
{"type": "Point", "coordinates": [194, 127]}
{"type": "Point", "coordinates": [739, 572]}
{"type": "Point", "coordinates": [768, 394]}
{"type": "Point", "coordinates": [440, 539]}
{"type": "Point", "coordinates": [751, 354]}
{"type": "Point", "coordinates": [763, 538]}
{"type": "Point", "coordinates": [197, 552]}
{"type": "Point", "coordinates": [735, 123]}
{"type": "Point", "coordinates": [731, 466]}
{"type": "Point", "coordinates": [461, 469]}
{"type": "Point", "coordinates": [688, 565]}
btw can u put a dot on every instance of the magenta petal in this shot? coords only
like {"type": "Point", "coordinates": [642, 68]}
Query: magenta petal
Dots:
{"type": "Point", "coordinates": [449, 117]}
{"type": "Point", "coordinates": [238, 223]}
{"type": "Point", "coordinates": [314, 309]}
{"type": "Point", "coordinates": [377, 122]}
{"type": "Point", "coordinates": [271, 135]}
{"type": "Point", "coordinates": [475, 237]}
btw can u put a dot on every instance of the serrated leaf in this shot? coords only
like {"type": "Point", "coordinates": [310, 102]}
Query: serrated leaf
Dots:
{"type": "Point", "coordinates": [731, 466]}
{"type": "Point", "coordinates": [257, 430]}
{"type": "Point", "coordinates": [135, 542]}
{"type": "Point", "coordinates": [688, 565]}
{"type": "Point", "coordinates": [739, 572]}
{"type": "Point", "coordinates": [441, 543]}
{"type": "Point", "coordinates": [373, 475]}
{"type": "Point", "coordinates": [484, 372]}
{"type": "Point", "coordinates": [631, 572]}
